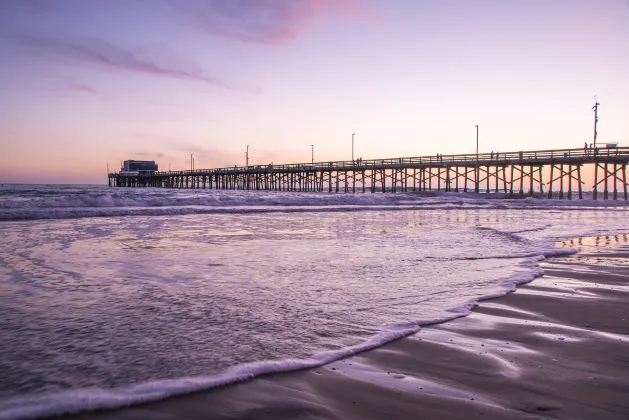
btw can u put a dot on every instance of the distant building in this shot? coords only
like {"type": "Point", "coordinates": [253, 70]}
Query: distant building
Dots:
{"type": "Point", "coordinates": [138, 167]}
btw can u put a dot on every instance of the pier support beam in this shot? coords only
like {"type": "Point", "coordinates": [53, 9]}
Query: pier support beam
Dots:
{"type": "Point", "coordinates": [606, 190]}
{"type": "Point", "coordinates": [624, 181]}
{"type": "Point", "coordinates": [569, 182]}
{"type": "Point", "coordinates": [595, 192]}
{"type": "Point", "coordinates": [579, 182]}
{"type": "Point", "coordinates": [615, 181]}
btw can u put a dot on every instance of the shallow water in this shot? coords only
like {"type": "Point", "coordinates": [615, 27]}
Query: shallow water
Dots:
{"type": "Point", "coordinates": [223, 279]}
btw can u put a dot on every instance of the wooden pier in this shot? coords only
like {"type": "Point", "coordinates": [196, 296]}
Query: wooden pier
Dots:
{"type": "Point", "coordinates": [551, 173]}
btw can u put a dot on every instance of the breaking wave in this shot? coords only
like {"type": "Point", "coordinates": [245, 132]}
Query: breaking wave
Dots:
{"type": "Point", "coordinates": [61, 202]}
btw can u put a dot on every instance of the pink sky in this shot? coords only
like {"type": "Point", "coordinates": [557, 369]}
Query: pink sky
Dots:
{"type": "Point", "coordinates": [86, 83]}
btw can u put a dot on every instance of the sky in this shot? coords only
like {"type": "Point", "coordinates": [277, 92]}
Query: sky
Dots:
{"type": "Point", "coordinates": [85, 84]}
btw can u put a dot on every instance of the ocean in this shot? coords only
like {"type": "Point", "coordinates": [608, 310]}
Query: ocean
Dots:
{"type": "Point", "coordinates": [112, 296]}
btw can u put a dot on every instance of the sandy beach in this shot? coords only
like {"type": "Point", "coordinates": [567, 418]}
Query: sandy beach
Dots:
{"type": "Point", "coordinates": [556, 348]}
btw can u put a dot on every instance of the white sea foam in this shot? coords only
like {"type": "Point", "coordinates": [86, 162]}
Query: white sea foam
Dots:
{"type": "Point", "coordinates": [91, 399]}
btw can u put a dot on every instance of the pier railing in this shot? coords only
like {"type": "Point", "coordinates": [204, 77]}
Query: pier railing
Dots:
{"type": "Point", "coordinates": [541, 156]}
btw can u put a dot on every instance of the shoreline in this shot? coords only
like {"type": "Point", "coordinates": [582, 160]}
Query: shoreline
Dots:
{"type": "Point", "coordinates": [447, 369]}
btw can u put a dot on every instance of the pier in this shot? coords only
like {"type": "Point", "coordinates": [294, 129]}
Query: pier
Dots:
{"type": "Point", "coordinates": [552, 173]}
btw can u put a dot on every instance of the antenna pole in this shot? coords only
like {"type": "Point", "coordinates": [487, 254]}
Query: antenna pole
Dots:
{"type": "Point", "coordinates": [595, 108]}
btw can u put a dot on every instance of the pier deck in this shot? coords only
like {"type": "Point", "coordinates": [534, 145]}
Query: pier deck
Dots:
{"type": "Point", "coordinates": [512, 173]}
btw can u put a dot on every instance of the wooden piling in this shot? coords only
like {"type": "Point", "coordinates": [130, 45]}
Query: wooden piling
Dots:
{"type": "Point", "coordinates": [521, 180]}
{"type": "Point", "coordinates": [595, 192]}
{"type": "Point", "coordinates": [615, 181]}
{"type": "Point", "coordinates": [561, 174]}
{"type": "Point", "coordinates": [541, 181]}
{"type": "Point", "coordinates": [606, 191]}
{"type": "Point", "coordinates": [624, 181]}
{"type": "Point", "coordinates": [579, 182]}
{"type": "Point", "coordinates": [569, 182]}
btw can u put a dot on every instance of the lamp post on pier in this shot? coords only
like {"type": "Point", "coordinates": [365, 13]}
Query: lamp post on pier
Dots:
{"type": "Point", "coordinates": [312, 154]}
{"type": "Point", "coordinates": [353, 148]}
{"type": "Point", "coordinates": [191, 162]}
{"type": "Point", "coordinates": [476, 142]}
{"type": "Point", "coordinates": [247, 157]}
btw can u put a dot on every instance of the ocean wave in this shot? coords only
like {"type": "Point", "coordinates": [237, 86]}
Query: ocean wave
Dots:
{"type": "Point", "coordinates": [74, 213]}
{"type": "Point", "coordinates": [103, 197]}
{"type": "Point", "coordinates": [61, 213]}
{"type": "Point", "coordinates": [68, 206]}
{"type": "Point", "coordinates": [82, 198]}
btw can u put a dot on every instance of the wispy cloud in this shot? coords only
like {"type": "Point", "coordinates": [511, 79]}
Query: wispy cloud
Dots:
{"type": "Point", "coordinates": [259, 21]}
{"type": "Point", "coordinates": [150, 155]}
{"type": "Point", "coordinates": [206, 155]}
{"type": "Point", "coordinates": [96, 52]}
{"type": "Point", "coordinates": [210, 157]}
{"type": "Point", "coordinates": [71, 86]}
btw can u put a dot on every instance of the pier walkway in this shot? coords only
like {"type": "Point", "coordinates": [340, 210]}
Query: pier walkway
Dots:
{"type": "Point", "coordinates": [555, 173]}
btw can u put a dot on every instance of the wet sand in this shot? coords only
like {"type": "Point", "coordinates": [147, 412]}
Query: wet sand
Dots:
{"type": "Point", "coordinates": [556, 348]}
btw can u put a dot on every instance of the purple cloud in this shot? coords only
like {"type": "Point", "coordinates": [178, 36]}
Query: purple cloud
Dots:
{"type": "Point", "coordinates": [259, 21]}
{"type": "Point", "coordinates": [28, 6]}
{"type": "Point", "coordinates": [77, 87]}
{"type": "Point", "coordinates": [37, 6]}
{"type": "Point", "coordinates": [101, 53]}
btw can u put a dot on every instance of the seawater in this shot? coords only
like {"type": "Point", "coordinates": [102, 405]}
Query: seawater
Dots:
{"type": "Point", "coordinates": [117, 296]}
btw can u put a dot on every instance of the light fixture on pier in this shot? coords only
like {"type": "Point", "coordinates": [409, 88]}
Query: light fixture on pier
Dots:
{"type": "Point", "coordinates": [353, 147]}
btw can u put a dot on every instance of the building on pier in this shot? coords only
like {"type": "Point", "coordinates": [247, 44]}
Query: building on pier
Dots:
{"type": "Point", "coordinates": [138, 168]}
